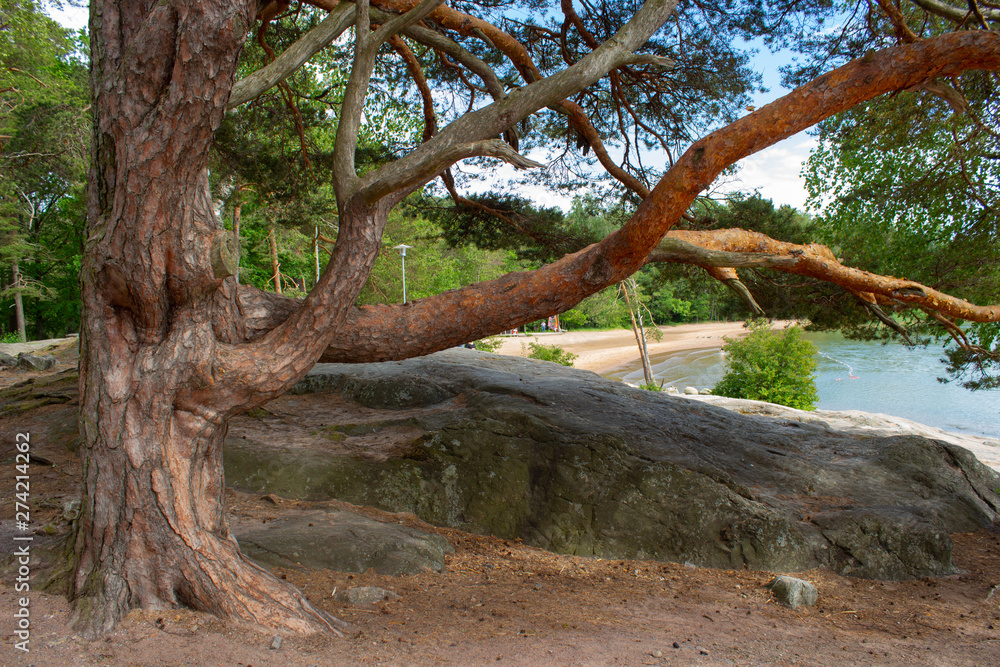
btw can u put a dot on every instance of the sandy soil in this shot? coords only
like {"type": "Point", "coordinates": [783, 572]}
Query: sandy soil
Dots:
{"type": "Point", "coordinates": [501, 602]}
{"type": "Point", "coordinates": [607, 351]}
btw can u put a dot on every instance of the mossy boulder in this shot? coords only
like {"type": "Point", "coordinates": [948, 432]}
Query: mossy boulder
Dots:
{"type": "Point", "coordinates": [570, 462]}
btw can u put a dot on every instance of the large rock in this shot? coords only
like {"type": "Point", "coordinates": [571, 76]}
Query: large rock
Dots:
{"type": "Point", "coordinates": [343, 541]}
{"type": "Point", "coordinates": [574, 463]}
{"type": "Point", "coordinates": [34, 362]}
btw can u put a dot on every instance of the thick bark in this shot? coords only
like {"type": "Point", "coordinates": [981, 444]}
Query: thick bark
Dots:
{"type": "Point", "coordinates": [152, 531]}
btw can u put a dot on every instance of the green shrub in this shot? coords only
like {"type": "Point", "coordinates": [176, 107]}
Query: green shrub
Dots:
{"type": "Point", "coordinates": [772, 366]}
{"type": "Point", "coordinates": [552, 353]}
{"type": "Point", "coordinates": [491, 344]}
{"type": "Point", "coordinates": [651, 387]}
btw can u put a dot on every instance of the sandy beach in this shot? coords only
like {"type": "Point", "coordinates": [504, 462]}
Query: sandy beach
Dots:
{"type": "Point", "coordinates": [608, 351]}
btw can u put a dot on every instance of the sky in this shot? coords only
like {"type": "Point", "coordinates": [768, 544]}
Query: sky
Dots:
{"type": "Point", "coordinates": [773, 172]}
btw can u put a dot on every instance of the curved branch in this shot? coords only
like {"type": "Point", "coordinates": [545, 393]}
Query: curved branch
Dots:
{"type": "Point", "coordinates": [728, 277]}
{"type": "Point", "coordinates": [737, 248]}
{"type": "Point", "coordinates": [427, 325]}
{"type": "Point", "coordinates": [956, 14]}
{"type": "Point", "coordinates": [399, 23]}
{"type": "Point", "coordinates": [314, 41]}
{"type": "Point", "coordinates": [903, 32]}
{"type": "Point", "coordinates": [417, 74]}
{"type": "Point", "coordinates": [425, 162]}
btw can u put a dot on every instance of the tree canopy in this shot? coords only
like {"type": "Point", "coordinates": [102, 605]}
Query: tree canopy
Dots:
{"type": "Point", "coordinates": [44, 145]}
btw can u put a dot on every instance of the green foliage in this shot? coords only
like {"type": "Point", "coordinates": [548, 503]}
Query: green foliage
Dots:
{"type": "Point", "coordinates": [771, 366]}
{"type": "Point", "coordinates": [432, 265]}
{"type": "Point", "coordinates": [651, 387]}
{"type": "Point", "coordinates": [44, 146]}
{"type": "Point", "coordinates": [11, 337]}
{"type": "Point", "coordinates": [911, 188]}
{"type": "Point", "coordinates": [552, 353]}
{"type": "Point", "coordinates": [491, 344]}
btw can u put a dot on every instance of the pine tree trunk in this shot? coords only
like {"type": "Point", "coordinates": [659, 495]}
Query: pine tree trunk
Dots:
{"type": "Point", "coordinates": [237, 220]}
{"type": "Point", "coordinates": [275, 264]}
{"type": "Point", "coordinates": [22, 334]}
{"type": "Point", "coordinates": [153, 532]}
{"type": "Point", "coordinates": [157, 388]}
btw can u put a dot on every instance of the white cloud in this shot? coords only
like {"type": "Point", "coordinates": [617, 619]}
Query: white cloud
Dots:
{"type": "Point", "coordinates": [70, 17]}
{"type": "Point", "coordinates": [775, 171]}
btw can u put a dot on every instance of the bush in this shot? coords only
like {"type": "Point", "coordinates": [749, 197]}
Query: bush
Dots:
{"type": "Point", "coordinates": [552, 353]}
{"type": "Point", "coordinates": [491, 344]}
{"type": "Point", "coordinates": [772, 366]}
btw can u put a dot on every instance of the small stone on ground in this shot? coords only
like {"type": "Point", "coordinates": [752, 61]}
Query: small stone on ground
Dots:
{"type": "Point", "coordinates": [793, 592]}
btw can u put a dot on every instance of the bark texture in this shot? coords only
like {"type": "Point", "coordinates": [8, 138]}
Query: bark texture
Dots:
{"type": "Point", "coordinates": [152, 532]}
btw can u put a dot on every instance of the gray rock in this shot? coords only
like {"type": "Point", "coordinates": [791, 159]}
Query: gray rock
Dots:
{"type": "Point", "coordinates": [31, 362]}
{"type": "Point", "coordinates": [793, 592]}
{"type": "Point", "coordinates": [367, 595]}
{"type": "Point", "coordinates": [276, 642]}
{"type": "Point", "coordinates": [343, 541]}
{"type": "Point", "coordinates": [7, 360]}
{"type": "Point", "coordinates": [691, 391]}
{"type": "Point", "coordinates": [705, 392]}
{"type": "Point", "coordinates": [574, 463]}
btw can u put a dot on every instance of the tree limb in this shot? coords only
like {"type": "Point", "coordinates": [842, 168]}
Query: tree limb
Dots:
{"type": "Point", "coordinates": [417, 74]}
{"type": "Point", "coordinates": [952, 13]}
{"type": "Point", "coordinates": [426, 161]}
{"type": "Point", "coordinates": [314, 41]}
{"type": "Point", "coordinates": [737, 248]}
{"type": "Point", "coordinates": [453, 317]}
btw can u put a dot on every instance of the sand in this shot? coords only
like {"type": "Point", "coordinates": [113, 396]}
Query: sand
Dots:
{"type": "Point", "coordinates": [608, 351]}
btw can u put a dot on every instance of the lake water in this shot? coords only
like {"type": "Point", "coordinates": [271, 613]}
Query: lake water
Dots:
{"type": "Point", "coordinates": [857, 375]}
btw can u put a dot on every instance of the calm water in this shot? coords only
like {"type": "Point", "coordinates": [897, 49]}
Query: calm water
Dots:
{"type": "Point", "coordinates": [856, 375]}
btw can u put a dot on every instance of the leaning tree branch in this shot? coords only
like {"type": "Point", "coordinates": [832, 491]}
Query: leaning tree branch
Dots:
{"type": "Point", "coordinates": [417, 74]}
{"type": "Point", "coordinates": [333, 26]}
{"type": "Point", "coordinates": [379, 333]}
{"type": "Point", "coordinates": [902, 30]}
{"type": "Point", "coordinates": [400, 23]}
{"type": "Point", "coordinates": [727, 276]}
{"type": "Point", "coordinates": [955, 14]}
{"type": "Point", "coordinates": [737, 248]}
{"type": "Point", "coordinates": [426, 161]}
{"type": "Point", "coordinates": [961, 340]}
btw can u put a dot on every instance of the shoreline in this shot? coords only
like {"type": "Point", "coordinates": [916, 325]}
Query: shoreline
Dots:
{"type": "Point", "coordinates": [608, 351]}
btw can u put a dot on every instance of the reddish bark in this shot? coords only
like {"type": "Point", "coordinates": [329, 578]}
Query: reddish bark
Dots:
{"type": "Point", "coordinates": [152, 532]}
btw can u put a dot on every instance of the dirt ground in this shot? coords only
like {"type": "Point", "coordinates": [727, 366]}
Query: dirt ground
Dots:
{"type": "Point", "coordinates": [501, 602]}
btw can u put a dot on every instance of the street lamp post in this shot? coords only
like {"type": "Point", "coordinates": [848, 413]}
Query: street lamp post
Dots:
{"type": "Point", "coordinates": [402, 247]}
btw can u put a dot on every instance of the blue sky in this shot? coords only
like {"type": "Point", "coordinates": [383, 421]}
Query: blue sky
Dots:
{"type": "Point", "coordinates": [773, 172]}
